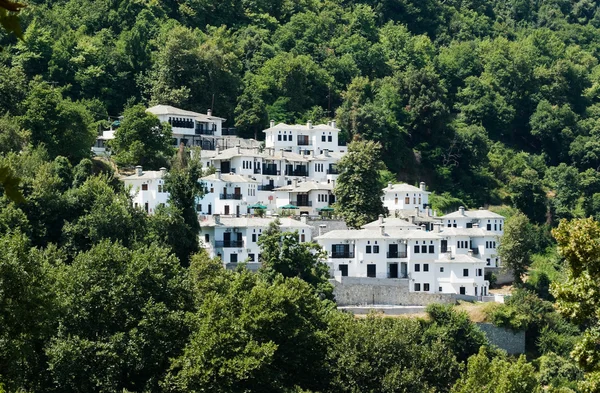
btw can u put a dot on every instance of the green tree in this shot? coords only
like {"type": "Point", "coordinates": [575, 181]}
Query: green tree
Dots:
{"type": "Point", "coordinates": [496, 375]}
{"type": "Point", "coordinates": [61, 125]}
{"type": "Point", "coordinates": [528, 195]}
{"type": "Point", "coordinates": [283, 253]}
{"type": "Point", "coordinates": [142, 139]}
{"type": "Point", "coordinates": [516, 245]}
{"type": "Point", "coordinates": [357, 190]}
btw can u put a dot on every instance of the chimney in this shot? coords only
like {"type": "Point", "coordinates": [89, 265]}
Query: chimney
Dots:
{"type": "Point", "coordinates": [312, 153]}
{"type": "Point", "coordinates": [163, 171]}
{"type": "Point", "coordinates": [417, 211]}
{"type": "Point", "coordinates": [429, 212]}
{"type": "Point", "coordinates": [470, 252]}
{"type": "Point", "coordinates": [333, 123]}
{"type": "Point", "coordinates": [322, 229]}
{"type": "Point", "coordinates": [381, 219]}
{"type": "Point", "coordinates": [382, 229]}
{"type": "Point", "coordinates": [295, 183]}
{"type": "Point", "coordinates": [304, 219]}
{"type": "Point", "coordinates": [461, 210]}
{"type": "Point", "coordinates": [209, 112]}
{"type": "Point", "coordinates": [412, 219]}
{"type": "Point", "coordinates": [238, 148]}
{"type": "Point", "coordinates": [422, 186]}
{"type": "Point", "coordinates": [217, 150]}
{"type": "Point", "coordinates": [218, 173]}
{"type": "Point", "coordinates": [217, 218]}
{"type": "Point", "coordinates": [272, 123]}
{"type": "Point", "coordinates": [309, 125]}
{"type": "Point", "coordinates": [390, 186]}
{"type": "Point", "coordinates": [326, 152]}
{"type": "Point", "coordinates": [138, 170]}
{"type": "Point", "coordinates": [436, 227]}
{"type": "Point", "coordinates": [475, 225]}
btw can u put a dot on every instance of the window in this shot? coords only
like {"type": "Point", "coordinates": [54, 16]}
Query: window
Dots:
{"type": "Point", "coordinates": [279, 137]}
{"type": "Point", "coordinates": [465, 272]}
{"type": "Point", "coordinates": [426, 287]}
{"type": "Point", "coordinates": [371, 270]}
{"type": "Point", "coordinates": [425, 267]}
{"type": "Point", "coordinates": [500, 227]}
{"type": "Point", "coordinates": [417, 249]}
{"type": "Point", "coordinates": [407, 200]}
{"type": "Point", "coordinates": [462, 291]}
{"type": "Point", "coordinates": [233, 258]}
{"type": "Point", "coordinates": [198, 208]}
{"type": "Point", "coordinates": [206, 238]}
{"type": "Point", "coordinates": [495, 227]}
{"type": "Point", "coordinates": [441, 269]}
{"type": "Point", "coordinates": [488, 261]}
{"type": "Point", "coordinates": [285, 138]}
{"type": "Point", "coordinates": [440, 289]}
{"type": "Point", "coordinates": [251, 257]}
{"type": "Point", "coordinates": [469, 225]}
{"type": "Point", "coordinates": [368, 249]}
{"type": "Point", "coordinates": [160, 188]}
{"type": "Point", "coordinates": [375, 249]}
{"type": "Point", "coordinates": [417, 287]}
{"type": "Point", "coordinates": [479, 272]}
{"type": "Point", "coordinates": [302, 238]}
{"type": "Point", "coordinates": [144, 187]}
{"type": "Point", "coordinates": [424, 249]}
{"type": "Point", "coordinates": [254, 238]}
{"type": "Point", "coordinates": [329, 138]}
{"type": "Point", "coordinates": [432, 249]}
{"type": "Point", "coordinates": [417, 267]}
{"type": "Point", "coordinates": [489, 227]}
{"type": "Point", "coordinates": [323, 138]}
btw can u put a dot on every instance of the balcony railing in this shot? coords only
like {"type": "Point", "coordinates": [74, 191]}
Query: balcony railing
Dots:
{"type": "Point", "coordinates": [302, 203]}
{"type": "Point", "coordinates": [271, 171]}
{"type": "Point", "coordinates": [296, 172]}
{"type": "Point", "coordinates": [236, 197]}
{"type": "Point", "coordinates": [228, 131]}
{"type": "Point", "coordinates": [204, 131]}
{"type": "Point", "coordinates": [266, 187]}
{"type": "Point", "coordinates": [304, 142]}
{"type": "Point", "coordinates": [397, 254]}
{"type": "Point", "coordinates": [229, 244]}
{"type": "Point", "coordinates": [337, 255]}
{"type": "Point", "coordinates": [332, 171]}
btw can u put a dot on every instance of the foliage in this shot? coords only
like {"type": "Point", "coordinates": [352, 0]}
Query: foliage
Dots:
{"type": "Point", "coordinates": [358, 192]}
{"type": "Point", "coordinates": [282, 253]}
{"type": "Point", "coordinates": [515, 248]}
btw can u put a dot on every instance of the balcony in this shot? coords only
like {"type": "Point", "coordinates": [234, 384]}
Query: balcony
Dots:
{"type": "Point", "coordinates": [397, 254]}
{"type": "Point", "coordinates": [236, 197]}
{"type": "Point", "coordinates": [296, 172]}
{"type": "Point", "coordinates": [333, 171]}
{"type": "Point", "coordinates": [266, 187]}
{"type": "Point", "coordinates": [304, 142]}
{"type": "Point", "coordinates": [204, 131]}
{"type": "Point", "coordinates": [301, 203]}
{"type": "Point", "coordinates": [339, 255]}
{"type": "Point", "coordinates": [229, 244]}
{"type": "Point", "coordinates": [271, 171]}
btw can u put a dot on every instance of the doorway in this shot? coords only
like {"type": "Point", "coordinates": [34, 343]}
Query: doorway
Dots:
{"type": "Point", "coordinates": [344, 270]}
{"type": "Point", "coordinates": [371, 270]}
{"type": "Point", "coordinates": [393, 270]}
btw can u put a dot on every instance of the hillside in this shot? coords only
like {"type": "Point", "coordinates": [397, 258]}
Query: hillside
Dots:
{"type": "Point", "coordinates": [492, 102]}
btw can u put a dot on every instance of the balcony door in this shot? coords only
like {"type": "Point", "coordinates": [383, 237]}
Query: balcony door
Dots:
{"type": "Point", "coordinates": [393, 270]}
{"type": "Point", "coordinates": [393, 253]}
{"type": "Point", "coordinates": [226, 239]}
{"type": "Point", "coordinates": [237, 191]}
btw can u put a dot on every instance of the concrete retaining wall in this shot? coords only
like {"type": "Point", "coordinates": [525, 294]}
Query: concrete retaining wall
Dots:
{"type": "Point", "coordinates": [355, 291]}
{"type": "Point", "coordinates": [513, 343]}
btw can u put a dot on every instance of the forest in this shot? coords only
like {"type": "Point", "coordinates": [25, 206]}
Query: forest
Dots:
{"type": "Point", "coordinates": [490, 103]}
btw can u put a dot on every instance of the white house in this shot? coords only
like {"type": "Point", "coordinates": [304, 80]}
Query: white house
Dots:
{"type": "Point", "coordinates": [303, 138]}
{"type": "Point", "coordinates": [227, 194]}
{"type": "Point", "coordinates": [402, 251]}
{"type": "Point", "coordinates": [235, 239]}
{"type": "Point", "coordinates": [480, 218]}
{"type": "Point", "coordinates": [402, 196]}
{"type": "Point", "coordinates": [188, 127]}
{"type": "Point", "coordinates": [147, 188]}
{"type": "Point", "coordinates": [309, 197]}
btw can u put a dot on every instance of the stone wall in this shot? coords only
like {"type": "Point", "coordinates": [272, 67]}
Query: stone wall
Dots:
{"type": "Point", "coordinates": [513, 343]}
{"type": "Point", "coordinates": [502, 277]}
{"type": "Point", "coordinates": [358, 291]}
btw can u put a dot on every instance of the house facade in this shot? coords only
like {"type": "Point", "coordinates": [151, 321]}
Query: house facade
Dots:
{"type": "Point", "coordinates": [147, 188]}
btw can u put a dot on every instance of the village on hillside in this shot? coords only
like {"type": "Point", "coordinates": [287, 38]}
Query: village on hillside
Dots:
{"type": "Point", "coordinates": [291, 178]}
